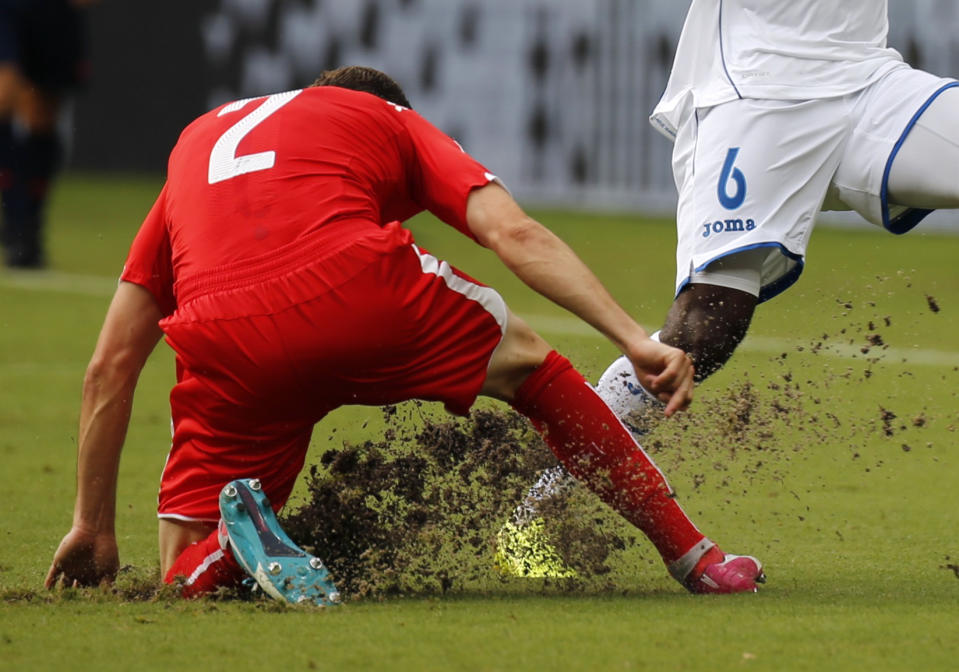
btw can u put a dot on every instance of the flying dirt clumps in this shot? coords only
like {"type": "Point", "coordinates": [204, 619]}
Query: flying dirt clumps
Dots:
{"type": "Point", "coordinates": [417, 512]}
{"type": "Point", "coordinates": [418, 509]}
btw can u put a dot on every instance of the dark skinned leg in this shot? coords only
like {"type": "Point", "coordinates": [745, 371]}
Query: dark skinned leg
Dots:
{"type": "Point", "coordinates": [708, 322]}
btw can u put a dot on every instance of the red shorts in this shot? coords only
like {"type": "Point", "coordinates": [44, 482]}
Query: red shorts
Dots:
{"type": "Point", "coordinates": [266, 350]}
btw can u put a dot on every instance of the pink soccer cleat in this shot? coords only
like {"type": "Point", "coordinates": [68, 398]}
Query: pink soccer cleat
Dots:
{"type": "Point", "coordinates": [734, 574]}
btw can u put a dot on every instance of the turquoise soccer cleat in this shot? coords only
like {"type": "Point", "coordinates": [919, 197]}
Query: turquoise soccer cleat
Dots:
{"type": "Point", "coordinates": [266, 553]}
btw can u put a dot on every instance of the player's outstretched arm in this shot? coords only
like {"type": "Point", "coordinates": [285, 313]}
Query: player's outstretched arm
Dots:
{"type": "Point", "coordinates": [88, 555]}
{"type": "Point", "coordinates": [545, 263]}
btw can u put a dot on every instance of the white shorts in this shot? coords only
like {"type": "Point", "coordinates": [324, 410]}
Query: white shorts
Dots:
{"type": "Point", "coordinates": [753, 174]}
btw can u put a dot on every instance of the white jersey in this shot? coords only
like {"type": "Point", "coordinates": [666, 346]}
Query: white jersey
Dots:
{"type": "Point", "coordinates": [776, 50]}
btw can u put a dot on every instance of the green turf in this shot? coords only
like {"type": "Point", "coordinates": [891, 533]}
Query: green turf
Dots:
{"type": "Point", "coordinates": [852, 515]}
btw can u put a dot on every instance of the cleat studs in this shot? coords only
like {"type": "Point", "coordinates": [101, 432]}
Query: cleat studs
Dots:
{"type": "Point", "coordinates": [254, 483]}
{"type": "Point", "coordinates": [274, 568]}
{"type": "Point", "coordinates": [316, 563]}
{"type": "Point", "coordinates": [230, 491]}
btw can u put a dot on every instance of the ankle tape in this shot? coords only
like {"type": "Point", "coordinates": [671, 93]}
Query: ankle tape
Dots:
{"type": "Point", "coordinates": [680, 568]}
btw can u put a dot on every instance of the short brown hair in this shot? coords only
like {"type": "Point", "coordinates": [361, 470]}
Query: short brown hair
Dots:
{"type": "Point", "coordinates": [368, 80]}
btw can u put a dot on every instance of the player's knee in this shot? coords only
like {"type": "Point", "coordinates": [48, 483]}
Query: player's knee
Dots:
{"type": "Point", "coordinates": [516, 357]}
{"type": "Point", "coordinates": [176, 535]}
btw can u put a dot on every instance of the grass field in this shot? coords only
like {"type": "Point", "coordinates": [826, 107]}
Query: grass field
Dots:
{"type": "Point", "coordinates": [851, 509]}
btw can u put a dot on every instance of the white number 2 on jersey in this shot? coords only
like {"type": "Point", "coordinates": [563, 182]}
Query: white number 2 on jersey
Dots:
{"type": "Point", "coordinates": [224, 163]}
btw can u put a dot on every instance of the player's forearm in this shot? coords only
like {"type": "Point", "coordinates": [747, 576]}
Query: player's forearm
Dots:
{"type": "Point", "coordinates": [104, 418]}
{"type": "Point", "coordinates": [546, 264]}
{"type": "Point", "coordinates": [129, 334]}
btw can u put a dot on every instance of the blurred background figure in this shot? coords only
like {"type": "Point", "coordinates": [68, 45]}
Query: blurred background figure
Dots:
{"type": "Point", "coordinates": [43, 56]}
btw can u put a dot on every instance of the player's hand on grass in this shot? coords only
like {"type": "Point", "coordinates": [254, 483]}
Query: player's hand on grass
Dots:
{"type": "Point", "coordinates": [665, 371]}
{"type": "Point", "coordinates": [84, 558]}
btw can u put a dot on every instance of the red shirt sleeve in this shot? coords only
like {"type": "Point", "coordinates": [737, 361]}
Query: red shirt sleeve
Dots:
{"type": "Point", "coordinates": [443, 174]}
{"type": "Point", "coordinates": [150, 262]}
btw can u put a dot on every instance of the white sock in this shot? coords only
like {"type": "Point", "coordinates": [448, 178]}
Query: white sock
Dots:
{"type": "Point", "coordinates": [620, 389]}
{"type": "Point", "coordinates": [553, 481]}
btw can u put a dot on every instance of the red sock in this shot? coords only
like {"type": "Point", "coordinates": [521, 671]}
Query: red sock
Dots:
{"type": "Point", "coordinates": [595, 447]}
{"type": "Point", "coordinates": [204, 566]}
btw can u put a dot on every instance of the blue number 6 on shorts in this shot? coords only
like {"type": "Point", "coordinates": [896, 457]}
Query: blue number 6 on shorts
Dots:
{"type": "Point", "coordinates": [731, 202]}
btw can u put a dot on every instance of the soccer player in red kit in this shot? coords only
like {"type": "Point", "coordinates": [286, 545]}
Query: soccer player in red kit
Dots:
{"type": "Point", "coordinates": [274, 264]}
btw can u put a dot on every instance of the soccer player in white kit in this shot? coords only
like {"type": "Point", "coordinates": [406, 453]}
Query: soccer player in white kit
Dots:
{"type": "Point", "coordinates": [779, 109]}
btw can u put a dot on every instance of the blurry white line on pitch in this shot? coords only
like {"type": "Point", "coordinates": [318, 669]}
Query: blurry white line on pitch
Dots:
{"type": "Point", "coordinates": [559, 325]}
{"type": "Point", "coordinates": [57, 281]}
{"type": "Point", "coordinates": [25, 369]}
{"type": "Point", "coordinates": [885, 354]}
{"type": "Point", "coordinates": [570, 326]}
{"type": "Point", "coordinates": [94, 285]}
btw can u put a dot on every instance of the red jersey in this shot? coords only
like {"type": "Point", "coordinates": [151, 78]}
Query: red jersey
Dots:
{"type": "Point", "coordinates": [264, 177]}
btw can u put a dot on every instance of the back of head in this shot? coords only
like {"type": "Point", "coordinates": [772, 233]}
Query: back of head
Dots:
{"type": "Point", "coordinates": [368, 80]}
